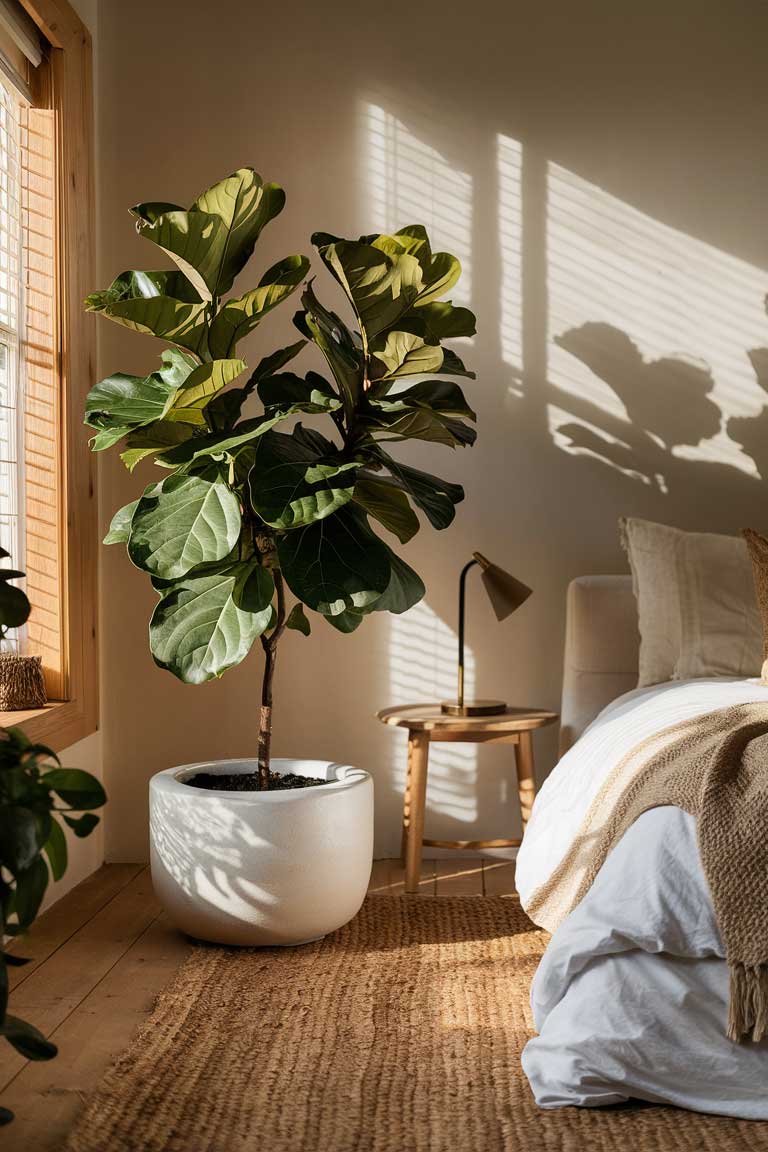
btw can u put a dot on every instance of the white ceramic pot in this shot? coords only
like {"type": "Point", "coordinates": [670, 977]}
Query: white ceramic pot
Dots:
{"type": "Point", "coordinates": [261, 868]}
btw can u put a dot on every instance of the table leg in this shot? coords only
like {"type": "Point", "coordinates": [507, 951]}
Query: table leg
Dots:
{"type": "Point", "coordinates": [418, 761]}
{"type": "Point", "coordinates": [407, 799]}
{"type": "Point", "coordinates": [526, 778]}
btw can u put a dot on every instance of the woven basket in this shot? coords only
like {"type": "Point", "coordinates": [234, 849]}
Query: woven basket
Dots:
{"type": "Point", "coordinates": [21, 682]}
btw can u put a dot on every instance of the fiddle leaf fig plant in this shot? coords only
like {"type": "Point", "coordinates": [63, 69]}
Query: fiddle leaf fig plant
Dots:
{"type": "Point", "coordinates": [254, 507]}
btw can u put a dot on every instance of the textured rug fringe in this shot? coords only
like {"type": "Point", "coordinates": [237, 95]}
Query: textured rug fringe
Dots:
{"type": "Point", "coordinates": [748, 1006]}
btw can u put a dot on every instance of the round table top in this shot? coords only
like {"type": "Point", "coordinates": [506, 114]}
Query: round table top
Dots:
{"type": "Point", "coordinates": [429, 717]}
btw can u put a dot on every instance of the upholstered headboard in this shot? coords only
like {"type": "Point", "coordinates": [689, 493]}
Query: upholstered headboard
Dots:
{"type": "Point", "coordinates": [601, 650]}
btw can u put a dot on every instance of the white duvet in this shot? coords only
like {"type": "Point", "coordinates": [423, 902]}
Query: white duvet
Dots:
{"type": "Point", "coordinates": [631, 997]}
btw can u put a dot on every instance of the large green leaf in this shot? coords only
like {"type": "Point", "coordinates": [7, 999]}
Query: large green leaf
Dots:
{"type": "Point", "coordinates": [239, 317]}
{"type": "Point", "coordinates": [184, 521]}
{"type": "Point", "coordinates": [442, 396]}
{"type": "Point", "coordinates": [200, 387]}
{"type": "Point", "coordinates": [214, 240]}
{"type": "Point", "coordinates": [207, 624]}
{"type": "Point", "coordinates": [406, 423]}
{"type": "Point", "coordinates": [21, 836]}
{"type": "Point", "coordinates": [337, 344]}
{"type": "Point", "coordinates": [14, 606]}
{"type": "Point", "coordinates": [116, 405]}
{"type": "Point", "coordinates": [381, 286]}
{"type": "Point", "coordinates": [80, 790]}
{"type": "Point", "coordinates": [25, 1038]}
{"type": "Point", "coordinates": [335, 564]}
{"type": "Point", "coordinates": [225, 409]}
{"type": "Point", "coordinates": [435, 497]}
{"type": "Point", "coordinates": [120, 524]}
{"type": "Point", "coordinates": [164, 304]}
{"type": "Point", "coordinates": [297, 620]}
{"type": "Point", "coordinates": [403, 353]}
{"type": "Point", "coordinates": [444, 321]}
{"type": "Point", "coordinates": [220, 443]}
{"type": "Point", "coordinates": [388, 504]}
{"type": "Point", "coordinates": [31, 884]}
{"type": "Point", "coordinates": [154, 438]}
{"type": "Point", "coordinates": [405, 588]}
{"type": "Point", "coordinates": [291, 486]}
{"type": "Point", "coordinates": [288, 393]}
{"type": "Point", "coordinates": [453, 366]}
{"type": "Point", "coordinates": [56, 850]}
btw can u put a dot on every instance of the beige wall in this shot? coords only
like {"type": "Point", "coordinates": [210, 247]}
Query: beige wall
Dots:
{"type": "Point", "coordinates": [598, 164]}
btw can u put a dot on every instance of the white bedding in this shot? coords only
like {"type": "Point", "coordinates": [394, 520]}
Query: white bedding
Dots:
{"type": "Point", "coordinates": [630, 999]}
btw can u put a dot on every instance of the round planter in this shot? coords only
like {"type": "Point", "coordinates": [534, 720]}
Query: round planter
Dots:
{"type": "Point", "coordinates": [261, 868]}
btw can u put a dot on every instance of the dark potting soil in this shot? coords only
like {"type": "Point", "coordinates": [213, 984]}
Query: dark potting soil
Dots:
{"type": "Point", "coordinates": [249, 781]}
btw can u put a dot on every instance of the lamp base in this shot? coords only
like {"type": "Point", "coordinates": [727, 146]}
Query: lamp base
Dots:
{"type": "Point", "coordinates": [473, 708]}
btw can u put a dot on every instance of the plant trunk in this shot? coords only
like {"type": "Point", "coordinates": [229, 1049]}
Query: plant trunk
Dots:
{"type": "Point", "coordinates": [270, 655]}
{"type": "Point", "coordinates": [265, 715]}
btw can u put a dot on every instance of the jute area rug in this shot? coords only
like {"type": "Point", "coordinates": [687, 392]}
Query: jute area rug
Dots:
{"type": "Point", "coordinates": [401, 1032]}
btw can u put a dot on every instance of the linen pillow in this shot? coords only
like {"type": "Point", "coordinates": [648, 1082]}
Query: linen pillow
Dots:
{"type": "Point", "coordinates": [758, 551]}
{"type": "Point", "coordinates": [651, 552]}
{"type": "Point", "coordinates": [697, 610]}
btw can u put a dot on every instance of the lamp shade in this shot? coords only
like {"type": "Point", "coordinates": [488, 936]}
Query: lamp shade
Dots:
{"type": "Point", "coordinates": [505, 593]}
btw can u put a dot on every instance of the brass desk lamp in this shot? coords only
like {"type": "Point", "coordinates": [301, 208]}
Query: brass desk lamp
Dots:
{"type": "Point", "coordinates": [506, 594]}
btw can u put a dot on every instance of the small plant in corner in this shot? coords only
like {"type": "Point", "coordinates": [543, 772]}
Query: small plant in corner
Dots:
{"type": "Point", "coordinates": [34, 797]}
{"type": "Point", "coordinates": [256, 507]}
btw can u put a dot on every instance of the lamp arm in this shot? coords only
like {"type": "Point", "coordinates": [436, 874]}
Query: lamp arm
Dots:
{"type": "Point", "coordinates": [462, 617]}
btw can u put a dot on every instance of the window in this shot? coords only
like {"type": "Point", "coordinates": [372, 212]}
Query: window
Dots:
{"type": "Point", "coordinates": [47, 356]}
{"type": "Point", "coordinates": [12, 535]}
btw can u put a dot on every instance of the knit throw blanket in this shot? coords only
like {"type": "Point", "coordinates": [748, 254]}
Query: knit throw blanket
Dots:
{"type": "Point", "coordinates": [716, 768]}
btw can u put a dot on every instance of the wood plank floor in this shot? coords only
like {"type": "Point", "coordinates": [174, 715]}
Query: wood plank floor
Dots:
{"type": "Point", "coordinates": [101, 956]}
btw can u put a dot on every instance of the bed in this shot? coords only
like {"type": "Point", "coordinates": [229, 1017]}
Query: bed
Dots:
{"type": "Point", "coordinates": [631, 997]}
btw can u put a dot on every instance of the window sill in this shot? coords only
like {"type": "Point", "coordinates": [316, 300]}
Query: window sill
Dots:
{"type": "Point", "coordinates": [60, 724]}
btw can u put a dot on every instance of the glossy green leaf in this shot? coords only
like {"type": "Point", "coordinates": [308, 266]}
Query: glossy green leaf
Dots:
{"type": "Point", "coordinates": [121, 402]}
{"type": "Point", "coordinates": [82, 826]}
{"type": "Point", "coordinates": [336, 563]}
{"type": "Point", "coordinates": [157, 437]}
{"type": "Point", "coordinates": [405, 354]}
{"type": "Point", "coordinates": [214, 240]}
{"type": "Point", "coordinates": [31, 884]}
{"type": "Point", "coordinates": [207, 624]}
{"type": "Point", "coordinates": [56, 850]}
{"type": "Point", "coordinates": [289, 393]}
{"type": "Point", "coordinates": [381, 286]}
{"type": "Point", "coordinates": [442, 396]}
{"type": "Point", "coordinates": [453, 366]}
{"type": "Point", "coordinates": [297, 620]}
{"type": "Point", "coordinates": [80, 790]}
{"type": "Point", "coordinates": [405, 588]}
{"type": "Point", "coordinates": [291, 486]}
{"type": "Point", "coordinates": [21, 836]}
{"type": "Point", "coordinates": [337, 344]}
{"type": "Point", "coordinates": [218, 444]}
{"type": "Point", "coordinates": [163, 304]}
{"type": "Point", "coordinates": [14, 606]}
{"type": "Point", "coordinates": [26, 1039]}
{"type": "Point", "coordinates": [435, 497]}
{"type": "Point", "coordinates": [388, 504]}
{"type": "Point", "coordinates": [200, 387]}
{"type": "Point", "coordinates": [346, 622]}
{"type": "Point", "coordinates": [120, 524]}
{"type": "Point", "coordinates": [185, 521]}
{"type": "Point", "coordinates": [237, 318]}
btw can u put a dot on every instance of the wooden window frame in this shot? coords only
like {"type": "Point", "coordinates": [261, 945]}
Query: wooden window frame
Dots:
{"type": "Point", "coordinates": [65, 85]}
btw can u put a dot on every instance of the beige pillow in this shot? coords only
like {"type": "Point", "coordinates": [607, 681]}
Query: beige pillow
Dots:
{"type": "Point", "coordinates": [697, 610]}
{"type": "Point", "coordinates": [651, 551]}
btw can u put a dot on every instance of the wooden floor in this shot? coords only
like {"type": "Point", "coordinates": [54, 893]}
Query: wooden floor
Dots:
{"type": "Point", "coordinates": [100, 957]}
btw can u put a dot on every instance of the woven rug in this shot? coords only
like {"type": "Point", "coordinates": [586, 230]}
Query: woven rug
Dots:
{"type": "Point", "coordinates": [401, 1032]}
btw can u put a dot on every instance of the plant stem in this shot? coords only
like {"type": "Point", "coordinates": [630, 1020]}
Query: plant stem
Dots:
{"type": "Point", "coordinates": [269, 644]}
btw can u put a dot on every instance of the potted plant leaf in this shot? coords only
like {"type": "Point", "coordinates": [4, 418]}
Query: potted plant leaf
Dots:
{"type": "Point", "coordinates": [36, 799]}
{"type": "Point", "coordinates": [21, 677]}
{"type": "Point", "coordinates": [275, 491]}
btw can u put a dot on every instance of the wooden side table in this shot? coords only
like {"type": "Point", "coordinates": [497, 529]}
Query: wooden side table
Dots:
{"type": "Point", "coordinates": [426, 723]}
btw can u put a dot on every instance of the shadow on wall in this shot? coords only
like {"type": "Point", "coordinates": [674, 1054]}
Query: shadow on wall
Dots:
{"type": "Point", "coordinates": [668, 406]}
